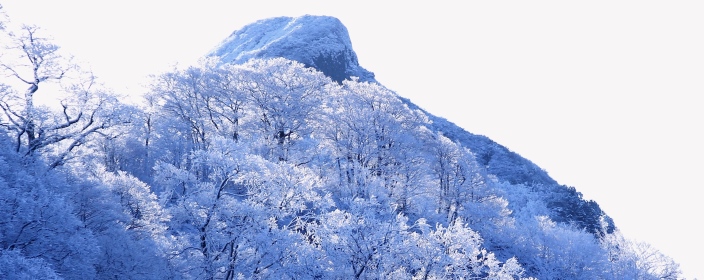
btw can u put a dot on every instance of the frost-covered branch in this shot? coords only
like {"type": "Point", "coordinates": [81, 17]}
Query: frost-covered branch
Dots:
{"type": "Point", "coordinates": [34, 60]}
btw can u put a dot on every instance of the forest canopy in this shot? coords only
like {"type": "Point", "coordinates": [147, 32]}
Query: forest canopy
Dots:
{"type": "Point", "coordinates": [267, 169]}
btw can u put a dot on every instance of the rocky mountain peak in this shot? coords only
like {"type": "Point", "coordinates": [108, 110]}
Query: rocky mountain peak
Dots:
{"type": "Point", "coordinates": [321, 42]}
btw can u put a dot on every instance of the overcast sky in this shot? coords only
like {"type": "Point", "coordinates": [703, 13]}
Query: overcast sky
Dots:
{"type": "Point", "coordinates": [600, 94]}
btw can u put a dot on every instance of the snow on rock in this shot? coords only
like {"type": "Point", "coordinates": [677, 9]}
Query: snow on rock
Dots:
{"type": "Point", "coordinates": [321, 42]}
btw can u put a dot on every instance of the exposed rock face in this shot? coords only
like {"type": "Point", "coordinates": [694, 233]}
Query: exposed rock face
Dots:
{"type": "Point", "coordinates": [321, 42]}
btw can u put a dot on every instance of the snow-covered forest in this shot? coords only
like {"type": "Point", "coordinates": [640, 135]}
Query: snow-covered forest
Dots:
{"type": "Point", "coordinates": [266, 170]}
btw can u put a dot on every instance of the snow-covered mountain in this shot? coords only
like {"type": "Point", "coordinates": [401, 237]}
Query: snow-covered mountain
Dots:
{"type": "Point", "coordinates": [322, 42]}
{"type": "Point", "coordinates": [261, 167]}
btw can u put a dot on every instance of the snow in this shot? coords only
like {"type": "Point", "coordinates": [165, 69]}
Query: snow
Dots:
{"type": "Point", "coordinates": [305, 39]}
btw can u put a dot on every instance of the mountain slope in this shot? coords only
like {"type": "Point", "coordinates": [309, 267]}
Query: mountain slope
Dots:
{"type": "Point", "coordinates": [270, 169]}
{"type": "Point", "coordinates": [322, 42]}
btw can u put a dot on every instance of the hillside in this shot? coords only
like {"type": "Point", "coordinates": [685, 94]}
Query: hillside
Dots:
{"type": "Point", "coordinates": [256, 165]}
{"type": "Point", "coordinates": [308, 39]}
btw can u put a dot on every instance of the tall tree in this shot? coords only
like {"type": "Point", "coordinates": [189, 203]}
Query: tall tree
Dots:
{"type": "Point", "coordinates": [286, 96]}
{"type": "Point", "coordinates": [34, 61]}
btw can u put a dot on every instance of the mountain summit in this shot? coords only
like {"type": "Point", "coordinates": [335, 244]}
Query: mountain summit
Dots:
{"type": "Point", "coordinates": [321, 42]}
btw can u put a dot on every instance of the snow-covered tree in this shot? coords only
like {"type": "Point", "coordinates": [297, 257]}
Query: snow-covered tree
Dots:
{"type": "Point", "coordinates": [629, 259]}
{"type": "Point", "coordinates": [236, 212]}
{"type": "Point", "coordinates": [38, 219]}
{"type": "Point", "coordinates": [33, 61]}
{"type": "Point", "coordinates": [286, 97]}
{"type": "Point", "coordinates": [16, 266]}
{"type": "Point", "coordinates": [374, 142]}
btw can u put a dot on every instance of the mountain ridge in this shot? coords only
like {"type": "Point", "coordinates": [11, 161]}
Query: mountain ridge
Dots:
{"type": "Point", "coordinates": [323, 43]}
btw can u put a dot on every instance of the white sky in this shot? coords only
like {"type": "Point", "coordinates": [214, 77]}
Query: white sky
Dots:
{"type": "Point", "coordinates": [601, 94]}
